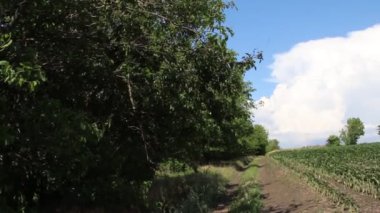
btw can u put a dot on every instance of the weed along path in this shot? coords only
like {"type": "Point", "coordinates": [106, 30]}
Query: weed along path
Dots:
{"type": "Point", "coordinates": [231, 191]}
{"type": "Point", "coordinates": [284, 192]}
{"type": "Point", "coordinates": [241, 191]}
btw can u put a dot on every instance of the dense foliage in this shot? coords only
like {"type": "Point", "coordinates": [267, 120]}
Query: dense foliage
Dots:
{"type": "Point", "coordinates": [257, 142]}
{"type": "Point", "coordinates": [352, 131]}
{"type": "Point", "coordinates": [354, 166]}
{"type": "Point", "coordinates": [273, 144]}
{"type": "Point", "coordinates": [94, 94]}
{"type": "Point", "coordinates": [333, 140]}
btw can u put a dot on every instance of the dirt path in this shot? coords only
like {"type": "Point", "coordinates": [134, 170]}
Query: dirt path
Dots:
{"type": "Point", "coordinates": [232, 188]}
{"type": "Point", "coordinates": [284, 192]}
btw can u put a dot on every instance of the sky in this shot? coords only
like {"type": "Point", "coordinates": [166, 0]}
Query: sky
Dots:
{"type": "Point", "coordinates": [321, 65]}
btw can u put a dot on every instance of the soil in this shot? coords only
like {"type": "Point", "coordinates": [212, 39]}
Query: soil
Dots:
{"type": "Point", "coordinates": [285, 192]}
{"type": "Point", "coordinates": [365, 202]}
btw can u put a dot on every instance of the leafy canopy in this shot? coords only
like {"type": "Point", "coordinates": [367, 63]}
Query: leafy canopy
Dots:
{"type": "Point", "coordinates": [95, 94]}
{"type": "Point", "coordinates": [273, 144]}
{"type": "Point", "coordinates": [353, 130]}
{"type": "Point", "coordinates": [333, 140]}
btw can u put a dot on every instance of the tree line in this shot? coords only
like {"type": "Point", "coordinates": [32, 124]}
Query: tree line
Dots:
{"type": "Point", "coordinates": [349, 135]}
{"type": "Point", "coordinates": [95, 94]}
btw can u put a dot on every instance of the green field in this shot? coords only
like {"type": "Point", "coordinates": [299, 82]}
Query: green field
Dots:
{"type": "Point", "coordinates": [357, 167]}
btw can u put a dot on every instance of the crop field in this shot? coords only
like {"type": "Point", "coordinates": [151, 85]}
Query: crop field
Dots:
{"type": "Point", "coordinates": [355, 167]}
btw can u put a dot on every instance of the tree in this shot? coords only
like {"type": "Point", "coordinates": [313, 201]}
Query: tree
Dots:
{"type": "Point", "coordinates": [378, 129]}
{"type": "Point", "coordinates": [333, 140]}
{"type": "Point", "coordinates": [273, 144]}
{"type": "Point", "coordinates": [353, 130]}
{"type": "Point", "coordinates": [258, 141]}
{"type": "Point", "coordinates": [95, 94]}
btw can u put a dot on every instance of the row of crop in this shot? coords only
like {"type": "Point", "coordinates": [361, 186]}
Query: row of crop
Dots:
{"type": "Point", "coordinates": [318, 183]}
{"type": "Point", "coordinates": [351, 178]}
{"type": "Point", "coordinates": [354, 166]}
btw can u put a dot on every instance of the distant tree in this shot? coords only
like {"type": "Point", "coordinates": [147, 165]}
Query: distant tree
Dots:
{"type": "Point", "coordinates": [378, 129]}
{"type": "Point", "coordinates": [352, 131]}
{"type": "Point", "coordinates": [273, 144]}
{"type": "Point", "coordinates": [333, 140]}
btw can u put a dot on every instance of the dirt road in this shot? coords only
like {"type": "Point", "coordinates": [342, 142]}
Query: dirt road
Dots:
{"type": "Point", "coordinates": [284, 192]}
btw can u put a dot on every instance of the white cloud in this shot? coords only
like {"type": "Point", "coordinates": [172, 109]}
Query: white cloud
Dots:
{"type": "Point", "coordinates": [321, 83]}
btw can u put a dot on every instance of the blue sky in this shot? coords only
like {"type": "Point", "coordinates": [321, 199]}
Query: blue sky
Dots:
{"type": "Point", "coordinates": [274, 26]}
{"type": "Point", "coordinates": [321, 65]}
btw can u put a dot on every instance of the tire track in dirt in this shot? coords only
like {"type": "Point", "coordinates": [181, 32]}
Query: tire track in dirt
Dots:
{"type": "Point", "coordinates": [231, 190]}
{"type": "Point", "coordinates": [284, 192]}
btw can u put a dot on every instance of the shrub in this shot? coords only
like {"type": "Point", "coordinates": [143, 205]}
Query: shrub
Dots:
{"type": "Point", "coordinates": [333, 140]}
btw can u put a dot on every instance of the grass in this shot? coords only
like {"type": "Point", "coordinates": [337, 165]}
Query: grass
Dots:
{"type": "Point", "coordinates": [196, 192]}
{"type": "Point", "coordinates": [248, 198]}
{"type": "Point", "coordinates": [250, 172]}
{"type": "Point", "coordinates": [227, 172]}
{"type": "Point", "coordinates": [177, 188]}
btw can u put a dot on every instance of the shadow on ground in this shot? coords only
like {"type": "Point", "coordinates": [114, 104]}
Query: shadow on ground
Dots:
{"type": "Point", "coordinates": [273, 209]}
{"type": "Point", "coordinates": [193, 191]}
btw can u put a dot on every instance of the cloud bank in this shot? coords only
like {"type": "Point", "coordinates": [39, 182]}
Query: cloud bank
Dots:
{"type": "Point", "coordinates": [321, 83]}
